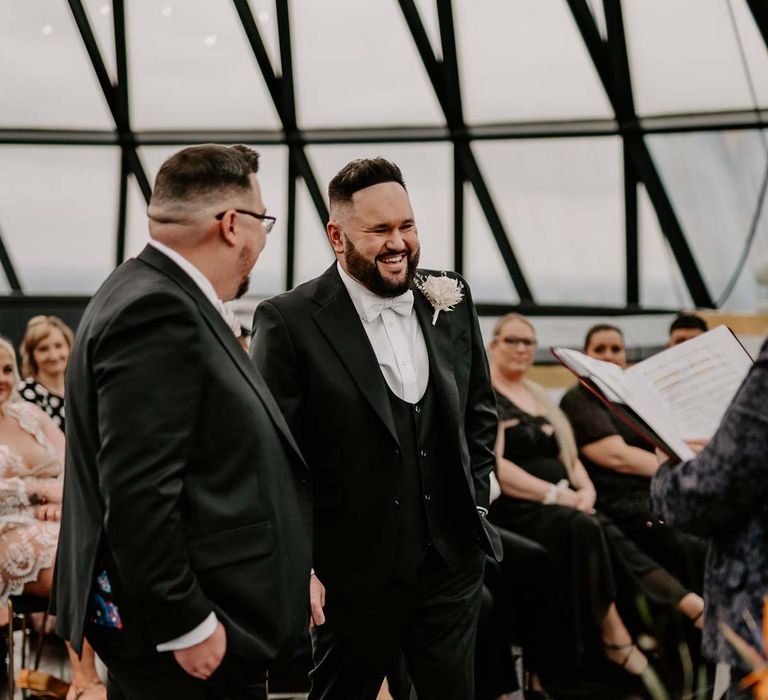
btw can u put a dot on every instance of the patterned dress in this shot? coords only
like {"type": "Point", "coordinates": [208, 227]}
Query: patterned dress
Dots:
{"type": "Point", "coordinates": [33, 391]}
{"type": "Point", "coordinates": [27, 545]}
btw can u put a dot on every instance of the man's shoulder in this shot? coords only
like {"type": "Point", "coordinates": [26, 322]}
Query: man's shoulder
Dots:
{"type": "Point", "coordinates": [299, 298]}
{"type": "Point", "coordinates": [135, 287]}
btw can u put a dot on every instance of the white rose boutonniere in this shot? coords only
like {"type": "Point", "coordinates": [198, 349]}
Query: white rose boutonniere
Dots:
{"type": "Point", "coordinates": [442, 292]}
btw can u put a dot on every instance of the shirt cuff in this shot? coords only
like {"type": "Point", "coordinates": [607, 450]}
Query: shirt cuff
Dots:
{"type": "Point", "coordinates": [204, 630]}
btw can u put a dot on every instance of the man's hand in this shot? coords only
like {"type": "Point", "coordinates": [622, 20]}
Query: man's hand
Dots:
{"type": "Point", "coordinates": [201, 660]}
{"type": "Point", "coordinates": [316, 601]}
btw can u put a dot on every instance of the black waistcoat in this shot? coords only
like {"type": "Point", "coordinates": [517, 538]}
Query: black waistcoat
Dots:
{"type": "Point", "coordinates": [428, 488]}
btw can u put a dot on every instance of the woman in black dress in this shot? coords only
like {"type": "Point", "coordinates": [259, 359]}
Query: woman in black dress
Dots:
{"type": "Point", "coordinates": [547, 496]}
{"type": "Point", "coordinates": [621, 463]}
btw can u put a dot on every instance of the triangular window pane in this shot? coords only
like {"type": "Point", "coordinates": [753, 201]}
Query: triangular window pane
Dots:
{"type": "Point", "coordinates": [192, 68]}
{"type": "Point", "coordinates": [136, 226]}
{"type": "Point", "coordinates": [99, 13]}
{"type": "Point", "coordinates": [661, 284]}
{"type": "Point", "coordinates": [69, 246]}
{"type": "Point", "coordinates": [684, 56]}
{"type": "Point", "coordinates": [520, 63]}
{"type": "Point", "coordinates": [713, 179]}
{"type": "Point", "coordinates": [361, 71]}
{"type": "Point", "coordinates": [561, 203]}
{"type": "Point", "coordinates": [428, 173]}
{"type": "Point", "coordinates": [313, 252]}
{"type": "Point", "coordinates": [483, 266]}
{"type": "Point", "coordinates": [47, 81]}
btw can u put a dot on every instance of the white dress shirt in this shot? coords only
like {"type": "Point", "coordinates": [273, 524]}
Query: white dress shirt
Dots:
{"type": "Point", "coordinates": [208, 626]}
{"type": "Point", "coordinates": [395, 334]}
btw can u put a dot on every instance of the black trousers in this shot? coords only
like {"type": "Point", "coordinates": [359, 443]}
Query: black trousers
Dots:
{"type": "Point", "coordinates": [158, 676]}
{"type": "Point", "coordinates": [432, 619]}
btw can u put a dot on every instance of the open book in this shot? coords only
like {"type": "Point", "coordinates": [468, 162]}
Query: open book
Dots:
{"type": "Point", "coordinates": [680, 393]}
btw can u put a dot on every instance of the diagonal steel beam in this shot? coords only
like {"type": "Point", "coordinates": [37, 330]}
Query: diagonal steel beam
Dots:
{"type": "Point", "coordinates": [281, 91]}
{"type": "Point", "coordinates": [759, 10]}
{"type": "Point", "coordinates": [612, 65]}
{"type": "Point", "coordinates": [111, 92]}
{"type": "Point", "coordinates": [8, 268]}
{"type": "Point", "coordinates": [444, 77]}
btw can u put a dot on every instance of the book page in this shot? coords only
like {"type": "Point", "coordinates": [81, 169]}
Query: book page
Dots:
{"type": "Point", "coordinates": [608, 377]}
{"type": "Point", "coordinates": [696, 380]}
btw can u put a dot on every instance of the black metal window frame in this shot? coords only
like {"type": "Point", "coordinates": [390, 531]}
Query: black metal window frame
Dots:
{"type": "Point", "coordinates": [610, 60]}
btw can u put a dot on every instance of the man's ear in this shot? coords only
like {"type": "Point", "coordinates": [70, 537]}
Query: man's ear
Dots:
{"type": "Point", "coordinates": [335, 236]}
{"type": "Point", "coordinates": [227, 227]}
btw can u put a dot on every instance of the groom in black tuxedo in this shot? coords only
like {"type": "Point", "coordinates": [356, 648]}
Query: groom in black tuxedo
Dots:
{"type": "Point", "coordinates": [393, 408]}
{"type": "Point", "coordinates": [184, 552]}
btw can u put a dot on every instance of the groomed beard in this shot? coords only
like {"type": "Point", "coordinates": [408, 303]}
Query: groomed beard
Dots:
{"type": "Point", "coordinates": [367, 273]}
{"type": "Point", "coordinates": [243, 288]}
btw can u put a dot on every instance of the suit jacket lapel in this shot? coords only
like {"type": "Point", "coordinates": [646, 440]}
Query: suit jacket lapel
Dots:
{"type": "Point", "coordinates": [439, 343]}
{"type": "Point", "coordinates": [225, 336]}
{"type": "Point", "coordinates": [339, 322]}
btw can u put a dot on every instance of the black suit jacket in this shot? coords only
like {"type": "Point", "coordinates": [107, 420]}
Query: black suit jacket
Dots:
{"type": "Point", "coordinates": [181, 477]}
{"type": "Point", "coordinates": [313, 351]}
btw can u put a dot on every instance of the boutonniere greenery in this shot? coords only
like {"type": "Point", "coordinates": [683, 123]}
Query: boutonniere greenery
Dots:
{"type": "Point", "coordinates": [442, 292]}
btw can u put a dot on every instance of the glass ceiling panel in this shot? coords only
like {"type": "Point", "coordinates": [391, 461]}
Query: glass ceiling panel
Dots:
{"type": "Point", "coordinates": [561, 204]}
{"type": "Point", "coordinates": [483, 267]}
{"type": "Point", "coordinates": [524, 61]}
{"type": "Point", "coordinates": [684, 56]}
{"type": "Point", "coordinates": [67, 246]}
{"type": "Point", "coordinates": [661, 283]}
{"type": "Point", "coordinates": [47, 81]}
{"type": "Point", "coordinates": [428, 173]}
{"type": "Point", "coordinates": [313, 253]}
{"type": "Point", "coordinates": [191, 67]}
{"type": "Point", "coordinates": [99, 13]}
{"type": "Point", "coordinates": [713, 179]}
{"type": "Point", "coordinates": [356, 64]}
{"type": "Point", "coordinates": [268, 275]}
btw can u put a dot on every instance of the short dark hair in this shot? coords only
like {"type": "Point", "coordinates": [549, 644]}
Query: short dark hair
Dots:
{"type": "Point", "coordinates": [362, 173]}
{"type": "Point", "coordinates": [600, 327]}
{"type": "Point", "coordinates": [198, 170]}
{"type": "Point", "coordinates": [688, 321]}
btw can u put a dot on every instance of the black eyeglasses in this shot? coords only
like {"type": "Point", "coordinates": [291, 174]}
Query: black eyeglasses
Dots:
{"type": "Point", "coordinates": [525, 342]}
{"type": "Point", "coordinates": [267, 221]}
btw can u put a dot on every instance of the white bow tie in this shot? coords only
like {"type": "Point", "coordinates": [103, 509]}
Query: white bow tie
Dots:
{"type": "Point", "coordinates": [401, 304]}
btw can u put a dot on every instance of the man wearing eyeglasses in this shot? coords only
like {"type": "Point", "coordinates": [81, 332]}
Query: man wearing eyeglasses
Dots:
{"type": "Point", "coordinates": [184, 552]}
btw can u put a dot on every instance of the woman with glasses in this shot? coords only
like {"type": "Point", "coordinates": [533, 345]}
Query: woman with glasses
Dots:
{"type": "Point", "coordinates": [44, 355]}
{"type": "Point", "coordinates": [547, 496]}
{"type": "Point", "coordinates": [621, 463]}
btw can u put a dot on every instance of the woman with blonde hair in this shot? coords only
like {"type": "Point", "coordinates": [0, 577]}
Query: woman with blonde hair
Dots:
{"type": "Point", "coordinates": [547, 496]}
{"type": "Point", "coordinates": [31, 467]}
{"type": "Point", "coordinates": [45, 352]}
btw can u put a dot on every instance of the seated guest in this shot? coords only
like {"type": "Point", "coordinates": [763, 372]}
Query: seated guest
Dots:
{"type": "Point", "coordinates": [684, 327]}
{"type": "Point", "coordinates": [518, 610]}
{"type": "Point", "coordinates": [621, 463]}
{"type": "Point", "coordinates": [31, 463]}
{"type": "Point", "coordinates": [722, 494]}
{"type": "Point", "coordinates": [548, 497]}
{"type": "Point", "coordinates": [44, 355]}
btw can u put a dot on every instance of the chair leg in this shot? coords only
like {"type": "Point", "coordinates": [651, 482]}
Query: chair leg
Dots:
{"type": "Point", "coordinates": [24, 640]}
{"type": "Point", "coordinates": [40, 640]}
{"type": "Point", "coordinates": [11, 679]}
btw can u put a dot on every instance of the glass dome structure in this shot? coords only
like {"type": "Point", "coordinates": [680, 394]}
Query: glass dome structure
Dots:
{"type": "Point", "coordinates": [567, 156]}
